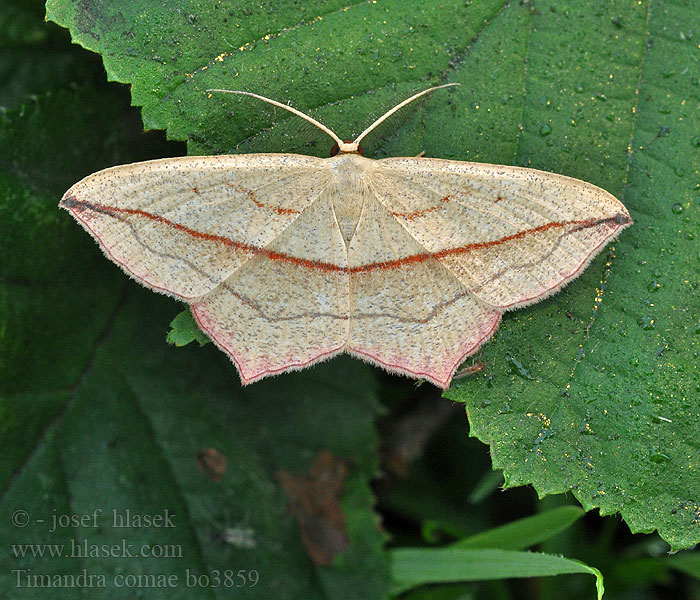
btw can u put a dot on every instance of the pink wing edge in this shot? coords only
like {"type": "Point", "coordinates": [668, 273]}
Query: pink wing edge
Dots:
{"type": "Point", "coordinates": [568, 278]}
{"type": "Point", "coordinates": [442, 380]}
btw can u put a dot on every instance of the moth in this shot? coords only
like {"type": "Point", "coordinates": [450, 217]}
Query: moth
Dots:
{"type": "Point", "coordinates": [287, 260]}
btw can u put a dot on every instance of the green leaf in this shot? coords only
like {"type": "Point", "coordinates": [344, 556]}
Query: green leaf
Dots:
{"type": "Point", "coordinates": [412, 567]}
{"type": "Point", "coordinates": [325, 57]}
{"type": "Point", "coordinates": [489, 483]}
{"type": "Point", "coordinates": [594, 390]}
{"type": "Point", "coordinates": [525, 532]}
{"type": "Point", "coordinates": [184, 330]}
{"type": "Point", "coordinates": [99, 414]}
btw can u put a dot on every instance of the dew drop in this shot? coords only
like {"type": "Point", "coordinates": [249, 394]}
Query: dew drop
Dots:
{"type": "Point", "coordinates": [654, 286]}
{"type": "Point", "coordinates": [677, 208]}
{"type": "Point", "coordinates": [678, 171]}
{"type": "Point", "coordinates": [646, 323]}
{"type": "Point", "coordinates": [664, 110]}
{"type": "Point", "coordinates": [696, 141]}
{"type": "Point", "coordinates": [546, 129]}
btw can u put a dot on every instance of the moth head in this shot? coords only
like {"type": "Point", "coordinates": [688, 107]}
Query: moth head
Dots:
{"type": "Point", "coordinates": [347, 147]}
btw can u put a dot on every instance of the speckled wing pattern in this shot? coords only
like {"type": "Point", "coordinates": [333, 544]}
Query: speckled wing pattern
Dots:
{"type": "Point", "coordinates": [286, 260]}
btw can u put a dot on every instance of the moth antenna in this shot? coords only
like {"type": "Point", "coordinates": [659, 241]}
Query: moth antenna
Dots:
{"type": "Point", "coordinates": [342, 145]}
{"type": "Point", "coordinates": [398, 107]}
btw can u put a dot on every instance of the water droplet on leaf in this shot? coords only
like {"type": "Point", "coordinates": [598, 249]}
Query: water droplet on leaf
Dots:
{"type": "Point", "coordinates": [646, 322]}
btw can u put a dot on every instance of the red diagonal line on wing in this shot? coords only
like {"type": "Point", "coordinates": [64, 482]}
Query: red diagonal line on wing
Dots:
{"type": "Point", "coordinates": [73, 202]}
{"type": "Point", "coordinates": [251, 194]}
{"type": "Point", "coordinates": [419, 213]}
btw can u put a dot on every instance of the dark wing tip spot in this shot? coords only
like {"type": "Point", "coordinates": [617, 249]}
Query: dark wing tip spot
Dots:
{"type": "Point", "coordinates": [68, 202]}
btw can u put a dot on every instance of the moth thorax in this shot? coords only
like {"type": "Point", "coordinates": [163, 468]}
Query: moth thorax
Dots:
{"type": "Point", "coordinates": [351, 190]}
